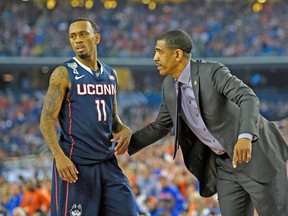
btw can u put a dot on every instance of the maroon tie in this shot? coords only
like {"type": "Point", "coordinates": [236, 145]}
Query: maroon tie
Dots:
{"type": "Point", "coordinates": [178, 119]}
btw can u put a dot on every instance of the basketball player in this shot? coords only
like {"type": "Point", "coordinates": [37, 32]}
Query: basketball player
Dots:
{"type": "Point", "coordinates": [82, 94]}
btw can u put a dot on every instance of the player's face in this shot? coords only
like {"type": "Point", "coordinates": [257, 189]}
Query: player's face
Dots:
{"type": "Point", "coordinates": [83, 40]}
{"type": "Point", "coordinates": [165, 59]}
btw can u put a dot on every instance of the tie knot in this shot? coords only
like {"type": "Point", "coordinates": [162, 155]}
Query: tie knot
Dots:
{"type": "Point", "coordinates": [178, 85]}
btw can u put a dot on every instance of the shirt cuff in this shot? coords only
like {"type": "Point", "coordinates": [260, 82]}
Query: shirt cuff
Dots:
{"type": "Point", "coordinates": [246, 135]}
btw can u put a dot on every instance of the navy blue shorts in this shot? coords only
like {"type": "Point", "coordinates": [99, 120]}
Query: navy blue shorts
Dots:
{"type": "Point", "coordinates": [101, 189]}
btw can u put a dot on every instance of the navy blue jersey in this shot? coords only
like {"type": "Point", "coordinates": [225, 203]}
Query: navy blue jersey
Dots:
{"type": "Point", "coordinates": [86, 114]}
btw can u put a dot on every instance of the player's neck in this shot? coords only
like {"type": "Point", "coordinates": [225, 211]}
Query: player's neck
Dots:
{"type": "Point", "coordinates": [90, 62]}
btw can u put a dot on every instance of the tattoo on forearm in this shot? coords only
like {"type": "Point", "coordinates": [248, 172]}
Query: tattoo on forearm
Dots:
{"type": "Point", "coordinates": [53, 102]}
{"type": "Point", "coordinates": [50, 135]}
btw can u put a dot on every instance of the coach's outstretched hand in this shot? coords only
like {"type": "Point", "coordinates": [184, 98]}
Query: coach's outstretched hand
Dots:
{"type": "Point", "coordinates": [123, 139]}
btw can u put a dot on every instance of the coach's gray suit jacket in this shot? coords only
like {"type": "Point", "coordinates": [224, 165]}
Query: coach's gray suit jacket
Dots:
{"type": "Point", "coordinates": [228, 108]}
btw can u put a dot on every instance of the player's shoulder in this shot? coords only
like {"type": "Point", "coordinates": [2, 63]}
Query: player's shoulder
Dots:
{"type": "Point", "coordinates": [71, 63]}
{"type": "Point", "coordinates": [60, 70]}
{"type": "Point", "coordinates": [60, 73]}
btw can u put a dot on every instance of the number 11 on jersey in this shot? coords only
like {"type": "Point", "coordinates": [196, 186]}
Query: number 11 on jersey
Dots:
{"type": "Point", "coordinates": [100, 105]}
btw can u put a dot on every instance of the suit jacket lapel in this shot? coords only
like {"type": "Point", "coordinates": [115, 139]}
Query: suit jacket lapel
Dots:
{"type": "Point", "coordinates": [195, 81]}
{"type": "Point", "coordinates": [169, 96]}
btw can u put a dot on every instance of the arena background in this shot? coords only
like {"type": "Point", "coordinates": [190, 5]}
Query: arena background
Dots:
{"type": "Point", "coordinates": [250, 37]}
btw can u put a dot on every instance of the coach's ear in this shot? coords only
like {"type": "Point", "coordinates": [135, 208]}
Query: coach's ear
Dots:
{"type": "Point", "coordinates": [97, 38]}
{"type": "Point", "coordinates": [178, 54]}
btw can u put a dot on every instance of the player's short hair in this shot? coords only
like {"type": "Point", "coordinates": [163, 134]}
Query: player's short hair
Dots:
{"type": "Point", "coordinates": [93, 24]}
{"type": "Point", "coordinates": [177, 39]}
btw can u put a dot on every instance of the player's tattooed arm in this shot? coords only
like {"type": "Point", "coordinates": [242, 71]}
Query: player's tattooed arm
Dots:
{"type": "Point", "coordinates": [58, 87]}
{"type": "Point", "coordinates": [117, 124]}
{"type": "Point", "coordinates": [122, 132]}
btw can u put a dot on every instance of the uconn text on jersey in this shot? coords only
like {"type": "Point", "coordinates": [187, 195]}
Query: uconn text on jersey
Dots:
{"type": "Point", "coordinates": [96, 89]}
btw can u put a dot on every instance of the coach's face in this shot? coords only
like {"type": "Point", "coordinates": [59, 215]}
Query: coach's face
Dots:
{"type": "Point", "coordinates": [83, 39]}
{"type": "Point", "coordinates": [166, 59]}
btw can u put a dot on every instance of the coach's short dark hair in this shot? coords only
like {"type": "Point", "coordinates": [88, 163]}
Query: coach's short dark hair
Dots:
{"type": "Point", "coordinates": [93, 24]}
{"type": "Point", "coordinates": [177, 39]}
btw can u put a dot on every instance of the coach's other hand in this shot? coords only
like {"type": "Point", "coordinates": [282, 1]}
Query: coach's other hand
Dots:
{"type": "Point", "coordinates": [242, 151]}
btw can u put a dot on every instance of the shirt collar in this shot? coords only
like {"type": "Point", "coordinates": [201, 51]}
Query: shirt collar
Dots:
{"type": "Point", "coordinates": [185, 75]}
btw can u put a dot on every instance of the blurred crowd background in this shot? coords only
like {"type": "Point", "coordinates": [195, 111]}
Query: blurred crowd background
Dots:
{"type": "Point", "coordinates": [162, 186]}
{"type": "Point", "coordinates": [218, 28]}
